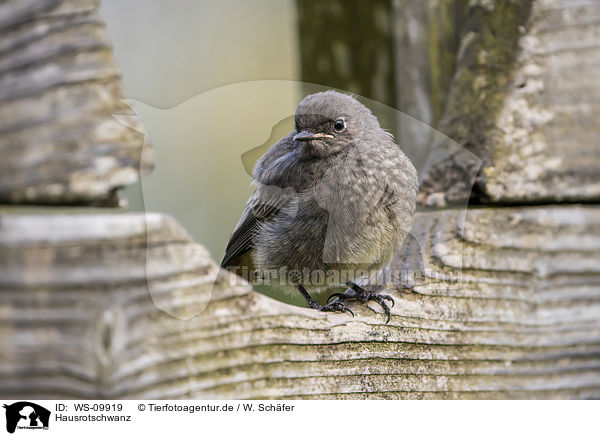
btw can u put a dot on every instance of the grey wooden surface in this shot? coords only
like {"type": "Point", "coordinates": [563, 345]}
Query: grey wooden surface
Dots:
{"type": "Point", "coordinates": [524, 98]}
{"type": "Point", "coordinates": [126, 306]}
{"type": "Point", "coordinates": [60, 97]}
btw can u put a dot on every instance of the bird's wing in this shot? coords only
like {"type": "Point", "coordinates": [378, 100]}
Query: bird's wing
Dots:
{"type": "Point", "coordinates": [263, 205]}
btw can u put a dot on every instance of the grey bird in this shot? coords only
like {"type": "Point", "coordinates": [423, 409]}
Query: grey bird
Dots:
{"type": "Point", "coordinates": [333, 201]}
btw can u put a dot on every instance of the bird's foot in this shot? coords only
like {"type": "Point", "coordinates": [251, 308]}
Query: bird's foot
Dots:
{"type": "Point", "coordinates": [364, 296]}
{"type": "Point", "coordinates": [334, 306]}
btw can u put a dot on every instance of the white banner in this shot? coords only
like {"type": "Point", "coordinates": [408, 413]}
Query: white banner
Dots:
{"type": "Point", "coordinates": [413, 418]}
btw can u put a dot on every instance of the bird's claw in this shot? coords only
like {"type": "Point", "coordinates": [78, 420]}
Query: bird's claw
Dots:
{"type": "Point", "coordinates": [336, 295]}
{"type": "Point", "coordinates": [381, 301]}
{"type": "Point", "coordinates": [389, 298]}
{"type": "Point", "coordinates": [364, 296]}
{"type": "Point", "coordinates": [336, 307]}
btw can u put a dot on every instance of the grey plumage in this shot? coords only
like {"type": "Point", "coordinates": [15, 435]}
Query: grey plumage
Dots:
{"type": "Point", "coordinates": [336, 194]}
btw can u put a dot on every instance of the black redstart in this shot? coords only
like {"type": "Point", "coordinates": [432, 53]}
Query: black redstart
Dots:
{"type": "Point", "coordinates": [333, 200]}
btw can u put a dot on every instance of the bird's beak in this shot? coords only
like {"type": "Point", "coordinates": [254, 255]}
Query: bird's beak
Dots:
{"type": "Point", "coordinates": [306, 136]}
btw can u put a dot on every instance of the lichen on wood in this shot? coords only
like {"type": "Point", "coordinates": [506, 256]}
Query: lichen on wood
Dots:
{"type": "Point", "coordinates": [128, 306]}
{"type": "Point", "coordinates": [523, 98]}
{"type": "Point", "coordinates": [484, 64]}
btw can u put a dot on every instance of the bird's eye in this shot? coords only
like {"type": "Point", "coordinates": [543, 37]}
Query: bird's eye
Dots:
{"type": "Point", "coordinates": [339, 125]}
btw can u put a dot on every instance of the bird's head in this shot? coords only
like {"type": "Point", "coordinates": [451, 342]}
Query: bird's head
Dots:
{"type": "Point", "coordinates": [329, 122]}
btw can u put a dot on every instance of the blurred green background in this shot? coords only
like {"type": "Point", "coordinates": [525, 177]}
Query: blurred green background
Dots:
{"type": "Point", "coordinates": [214, 80]}
{"type": "Point", "coordinates": [177, 59]}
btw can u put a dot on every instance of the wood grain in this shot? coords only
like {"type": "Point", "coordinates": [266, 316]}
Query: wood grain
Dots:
{"type": "Point", "coordinates": [80, 317]}
{"type": "Point", "coordinates": [61, 137]}
{"type": "Point", "coordinates": [524, 99]}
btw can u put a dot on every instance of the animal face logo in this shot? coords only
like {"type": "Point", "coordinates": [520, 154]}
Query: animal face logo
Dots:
{"type": "Point", "coordinates": [27, 415]}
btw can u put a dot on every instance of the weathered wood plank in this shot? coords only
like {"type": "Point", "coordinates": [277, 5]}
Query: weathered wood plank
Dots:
{"type": "Point", "coordinates": [80, 297]}
{"type": "Point", "coordinates": [525, 99]}
{"type": "Point", "coordinates": [61, 138]}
